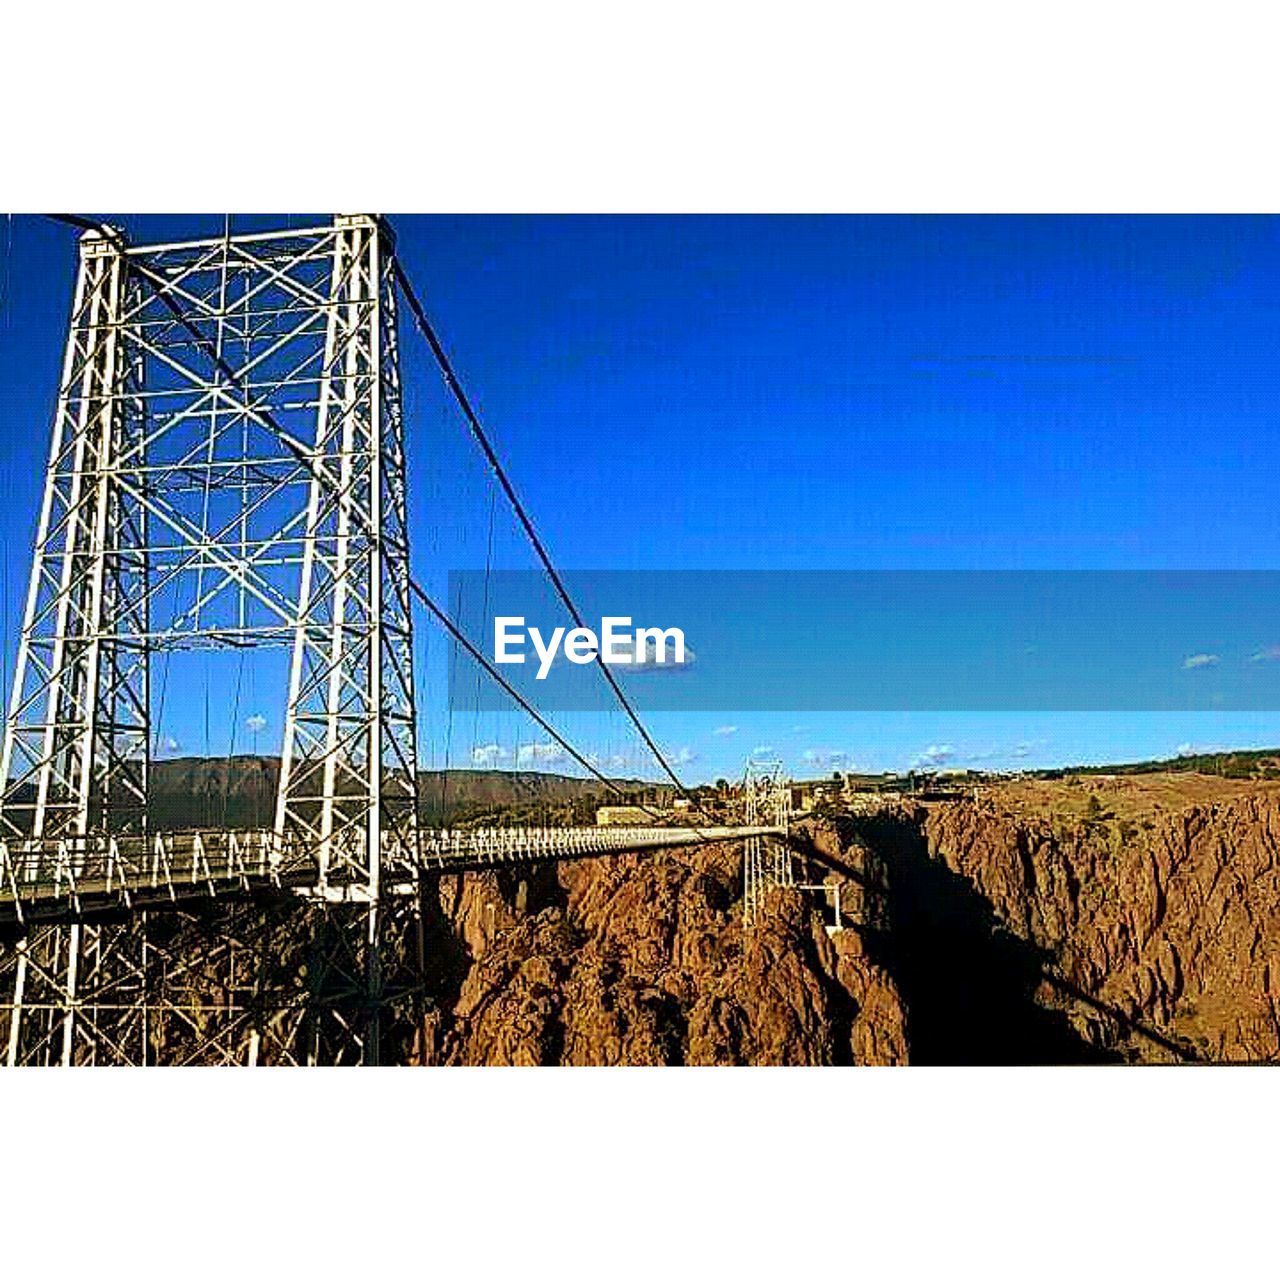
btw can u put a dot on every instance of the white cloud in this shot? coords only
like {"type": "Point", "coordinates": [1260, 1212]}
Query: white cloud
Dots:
{"type": "Point", "coordinates": [824, 756]}
{"type": "Point", "coordinates": [1270, 654]}
{"type": "Point", "coordinates": [619, 760]}
{"type": "Point", "coordinates": [540, 753]}
{"type": "Point", "coordinates": [685, 755]}
{"type": "Point", "coordinates": [1185, 749]}
{"type": "Point", "coordinates": [256, 723]}
{"type": "Point", "coordinates": [1197, 660]}
{"type": "Point", "coordinates": [758, 752]}
{"type": "Point", "coordinates": [489, 755]}
{"type": "Point", "coordinates": [724, 730]}
{"type": "Point", "coordinates": [935, 754]}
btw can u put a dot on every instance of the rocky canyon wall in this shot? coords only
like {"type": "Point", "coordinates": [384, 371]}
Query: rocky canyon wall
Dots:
{"type": "Point", "coordinates": [1160, 937]}
{"type": "Point", "coordinates": [972, 933]}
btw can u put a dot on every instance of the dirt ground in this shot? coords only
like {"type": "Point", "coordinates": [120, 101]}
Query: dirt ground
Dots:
{"type": "Point", "coordinates": [1130, 797]}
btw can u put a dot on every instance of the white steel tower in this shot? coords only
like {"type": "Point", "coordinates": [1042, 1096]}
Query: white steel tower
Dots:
{"type": "Point", "coordinates": [227, 471]}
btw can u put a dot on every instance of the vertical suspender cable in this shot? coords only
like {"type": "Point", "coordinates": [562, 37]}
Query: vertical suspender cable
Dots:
{"type": "Point", "coordinates": [495, 465]}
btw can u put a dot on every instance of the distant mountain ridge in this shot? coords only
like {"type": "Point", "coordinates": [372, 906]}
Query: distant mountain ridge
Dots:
{"type": "Point", "coordinates": [240, 791]}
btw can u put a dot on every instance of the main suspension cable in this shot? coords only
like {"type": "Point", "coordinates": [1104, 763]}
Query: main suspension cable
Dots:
{"type": "Point", "coordinates": [495, 465]}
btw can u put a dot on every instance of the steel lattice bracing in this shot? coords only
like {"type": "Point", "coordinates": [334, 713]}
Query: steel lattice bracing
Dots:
{"type": "Point", "coordinates": [76, 738]}
{"type": "Point", "coordinates": [347, 777]}
{"type": "Point", "coordinates": [227, 469]}
{"type": "Point", "coordinates": [766, 858]}
{"type": "Point", "coordinates": [219, 984]}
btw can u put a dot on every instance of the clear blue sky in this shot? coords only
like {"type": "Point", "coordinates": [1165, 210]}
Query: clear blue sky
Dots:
{"type": "Point", "coordinates": [811, 393]}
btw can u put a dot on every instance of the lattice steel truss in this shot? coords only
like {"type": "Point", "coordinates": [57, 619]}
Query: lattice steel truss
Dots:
{"type": "Point", "coordinates": [227, 469]}
{"type": "Point", "coordinates": [766, 860]}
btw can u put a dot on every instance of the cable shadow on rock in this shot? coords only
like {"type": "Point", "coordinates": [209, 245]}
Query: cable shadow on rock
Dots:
{"type": "Point", "coordinates": [969, 985]}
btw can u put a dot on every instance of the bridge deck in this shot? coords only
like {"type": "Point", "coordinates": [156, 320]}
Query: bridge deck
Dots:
{"type": "Point", "coordinates": [66, 880]}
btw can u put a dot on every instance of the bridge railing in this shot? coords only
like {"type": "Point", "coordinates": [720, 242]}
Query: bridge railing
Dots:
{"type": "Point", "coordinates": [44, 877]}
{"type": "Point", "coordinates": [39, 873]}
{"type": "Point", "coordinates": [491, 846]}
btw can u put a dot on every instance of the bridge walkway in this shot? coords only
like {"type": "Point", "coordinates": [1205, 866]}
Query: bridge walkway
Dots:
{"type": "Point", "coordinates": [51, 881]}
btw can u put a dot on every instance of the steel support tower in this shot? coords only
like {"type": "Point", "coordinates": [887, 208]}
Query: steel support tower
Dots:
{"type": "Point", "coordinates": [227, 471]}
{"type": "Point", "coordinates": [766, 860]}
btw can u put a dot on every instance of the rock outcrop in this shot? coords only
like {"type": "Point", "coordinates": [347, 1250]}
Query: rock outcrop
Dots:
{"type": "Point", "coordinates": [643, 960]}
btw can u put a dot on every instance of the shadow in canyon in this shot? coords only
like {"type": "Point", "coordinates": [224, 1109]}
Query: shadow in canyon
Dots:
{"type": "Point", "coordinates": [968, 984]}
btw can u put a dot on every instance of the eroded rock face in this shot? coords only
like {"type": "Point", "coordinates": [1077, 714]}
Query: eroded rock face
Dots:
{"type": "Point", "coordinates": [976, 932]}
{"type": "Point", "coordinates": [1162, 936]}
{"type": "Point", "coordinates": [643, 960]}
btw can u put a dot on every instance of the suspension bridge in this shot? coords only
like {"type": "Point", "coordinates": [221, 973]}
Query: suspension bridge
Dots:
{"type": "Point", "coordinates": [227, 472]}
